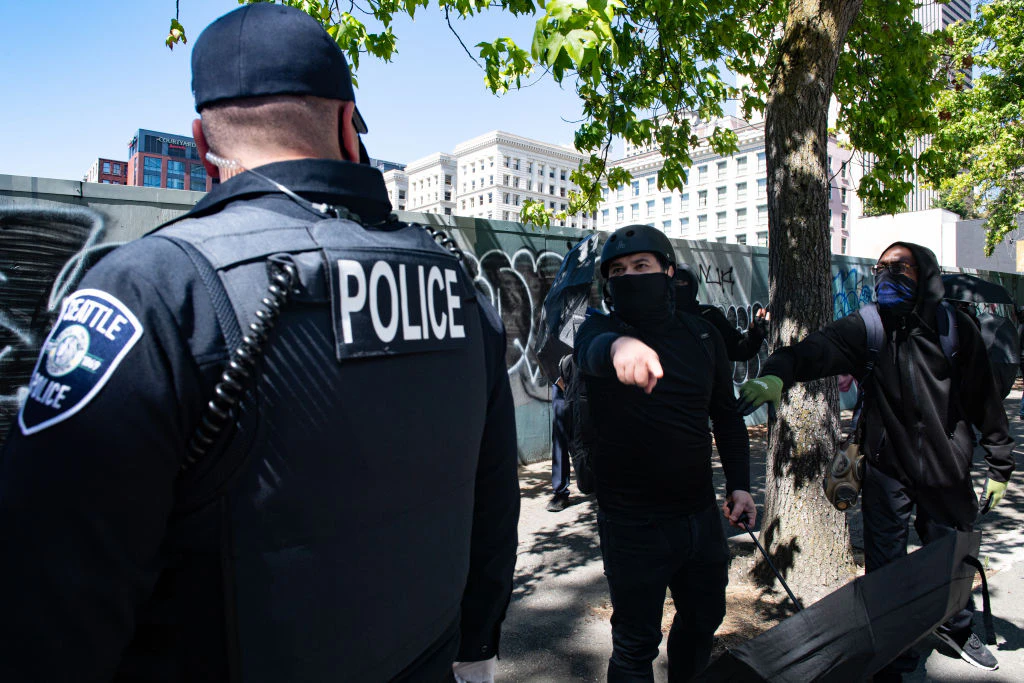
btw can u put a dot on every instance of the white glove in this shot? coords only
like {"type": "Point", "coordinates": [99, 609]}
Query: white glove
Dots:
{"type": "Point", "coordinates": [475, 672]}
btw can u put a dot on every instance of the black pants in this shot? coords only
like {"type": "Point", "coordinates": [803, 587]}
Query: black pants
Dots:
{"type": "Point", "coordinates": [642, 557]}
{"type": "Point", "coordinates": [561, 429]}
{"type": "Point", "coordinates": [886, 506]}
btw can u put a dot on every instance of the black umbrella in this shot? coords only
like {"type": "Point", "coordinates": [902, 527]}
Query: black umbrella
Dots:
{"type": "Point", "coordinates": [565, 304]}
{"type": "Point", "coordinates": [855, 631]}
{"type": "Point", "coordinates": [963, 287]}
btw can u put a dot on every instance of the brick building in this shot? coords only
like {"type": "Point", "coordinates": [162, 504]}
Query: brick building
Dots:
{"type": "Point", "coordinates": [165, 160]}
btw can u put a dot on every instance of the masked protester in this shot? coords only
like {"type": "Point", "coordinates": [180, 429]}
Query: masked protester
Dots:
{"type": "Point", "coordinates": [655, 380]}
{"type": "Point", "coordinates": [739, 346]}
{"type": "Point", "coordinates": [919, 408]}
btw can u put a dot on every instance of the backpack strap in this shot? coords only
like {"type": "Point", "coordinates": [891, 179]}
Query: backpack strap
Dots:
{"type": "Point", "coordinates": [875, 334]}
{"type": "Point", "coordinates": [949, 332]}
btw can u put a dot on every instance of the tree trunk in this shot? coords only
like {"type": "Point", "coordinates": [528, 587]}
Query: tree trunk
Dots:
{"type": "Point", "coordinates": [808, 539]}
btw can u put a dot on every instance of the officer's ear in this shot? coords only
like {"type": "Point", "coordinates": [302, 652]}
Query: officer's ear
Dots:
{"type": "Point", "coordinates": [671, 271]}
{"type": "Point", "coordinates": [202, 147]}
{"type": "Point", "coordinates": [348, 138]}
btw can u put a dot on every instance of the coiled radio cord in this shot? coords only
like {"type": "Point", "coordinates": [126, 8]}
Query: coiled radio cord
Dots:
{"type": "Point", "coordinates": [240, 372]}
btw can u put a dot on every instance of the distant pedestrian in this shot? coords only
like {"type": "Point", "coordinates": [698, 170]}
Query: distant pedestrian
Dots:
{"type": "Point", "coordinates": [561, 438]}
{"type": "Point", "coordinates": [739, 346]}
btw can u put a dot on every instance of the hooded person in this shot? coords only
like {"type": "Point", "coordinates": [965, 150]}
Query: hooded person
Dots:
{"type": "Point", "coordinates": [739, 346]}
{"type": "Point", "coordinates": [654, 382]}
{"type": "Point", "coordinates": [919, 410]}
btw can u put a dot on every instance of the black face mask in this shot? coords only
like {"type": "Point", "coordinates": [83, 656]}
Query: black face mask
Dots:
{"type": "Point", "coordinates": [686, 295]}
{"type": "Point", "coordinates": [642, 300]}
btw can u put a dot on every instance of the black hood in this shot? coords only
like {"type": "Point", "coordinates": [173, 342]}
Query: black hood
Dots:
{"type": "Point", "coordinates": [930, 290]}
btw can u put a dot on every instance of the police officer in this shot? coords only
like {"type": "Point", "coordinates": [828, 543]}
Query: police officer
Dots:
{"type": "Point", "coordinates": [655, 380]}
{"type": "Point", "coordinates": [344, 524]}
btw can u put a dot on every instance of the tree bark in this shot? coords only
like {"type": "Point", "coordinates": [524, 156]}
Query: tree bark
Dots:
{"type": "Point", "coordinates": [808, 539]}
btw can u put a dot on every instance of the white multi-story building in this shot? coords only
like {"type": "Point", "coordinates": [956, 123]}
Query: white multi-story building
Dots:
{"type": "Point", "coordinates": [431, 184]}
{"type": "Point", "coordinates": [725, 199]}
{"type": "Point", "coordinates": [498, 171]}
{"type": "Point", "coordinates": [397, 184]}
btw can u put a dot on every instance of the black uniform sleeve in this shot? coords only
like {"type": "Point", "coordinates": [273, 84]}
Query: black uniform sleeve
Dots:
{"type": "Point", "coordinates": [495, 510]}
{"type": "Point", "coordinates": [739, 346]}
{"type": "Point", "coordinates": [593, 347]}
{"type": "Point", "coordinates": [84, 502]}
{"type": "Point", "coordinates": [838, 348]}
{"type": "Point", "coordinates": [727, 424]}
{"type": "Point", "coordinates": [980, 400]}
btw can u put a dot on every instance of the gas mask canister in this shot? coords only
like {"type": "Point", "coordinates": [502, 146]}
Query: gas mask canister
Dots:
{"type": "Point", "coordinates": [844, 476]}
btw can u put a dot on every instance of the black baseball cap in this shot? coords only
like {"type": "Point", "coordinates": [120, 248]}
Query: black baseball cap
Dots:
{"type": "Point", "coordinates": [266, 49]}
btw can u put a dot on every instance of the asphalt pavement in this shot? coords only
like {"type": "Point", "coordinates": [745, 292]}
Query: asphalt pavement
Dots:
{"type": "Point", "coordinates": [558, 628]}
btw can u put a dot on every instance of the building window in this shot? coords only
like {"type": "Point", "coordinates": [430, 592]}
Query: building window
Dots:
{"type": "Point", "coordinates": [720, 220]}
{"type": "Point", "coordinates": [684, 225]}
{"type": "Point", "coordinates": [762, 216]}
{"type": "Point", "coordinates": [720, 240]}
{"type": "Point", "coordinates": [447, 211]}
{"type": "Point", "coordinates": [104, 182]}
{"type": "Point", "coordinates": [618, 192]}
{"type": "Point", "coordinates": [741, 166]}
{"type": "Point", "coordinates": [842, 194]}
{"type": "Point", "coordinates": [619, 213]}
{"type": "Point", "coordinates": [176, 175]}
{"type": "Point", "coordinates": [650, 208]}
{"type": "Point", "coordinates": [508, 162]}
{"type": "Point", "coordinates": [106, 167]}
{"type": "Point", "coordinates": [636, 188]}
{"type": "Point", "coordinates": [151, 167]}
{"type": "Point", "coordinates": [634, 211]}
{"type": "Point", "coordinates": [762, 164]}
{"type": "Point", "coordinates": [604, 216]}
{"type": "Point", "coordinates": [448, 179]}
{"type": "Point", "coordinates": [529, 167]}
{"type": "Point", "coordinates": [652, 184]}
{"type": "Point", "coordinates": [401, 194]}
{"type": "Point", "coordinates": [117, 170]}
{"type": "Point", "coordinates": [561, 174]}
{"type": "Point", "coordinates": [490, 197]}
{"type": "Point", "coordinates": [447, 195]}
{"type": "Point", "coordinates": [515, 182]}
{"type": "Point", "coordinates": [561, 191]}
{"type": "Point", "coordinates": [504, 198]}
{"type": "Point", "coordinates": [515, 199]}
{"type": "Point", "coordinates": [666, 205]}
{"type": "Point", "coordinates": [551, 172]}
{"type": "Point", "coordinates": [702, 174]}
{"type": "Point", "coordinates": [515, 165]}
{"type": "Point", "coordinates": [197, 178]}
{"type": "Point", "coordinates": [762, 239]}
{"type": "Point", "coordinates": [551, 190]}
{"type": "Point", "coordinates": [702, 224]}
{"type": "Point", "coordinates": [721, 196]}
{"type": "Point", "coordinates": [762, 188]}
{"type": "Point", "coordinates": [684, 202]}
{"type": "Point", "coordinates": [741, 218]}
{"type": "Point", "coordinates": [741, 192]}
{"type": "Point", "coordinates": [741, 239]}
{"type": "Point", "coordinates": [842, 245]}
{"type": "Point", "coordinates": [702, 199]}
{"type": "Point", "coordinates": [666, 226]}
{"type": "Point", "coordinates": [723, 168]}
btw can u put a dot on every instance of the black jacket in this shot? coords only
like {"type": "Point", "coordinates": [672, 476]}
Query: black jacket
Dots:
{"type": "Point", "coordinates": [652, 453]}
{"type": "Point", "coordinates": [739, 346]}
{"type": "Point", "coordinates": [85, 503]}
{"type": "Point", "coordinates": [919, 409]}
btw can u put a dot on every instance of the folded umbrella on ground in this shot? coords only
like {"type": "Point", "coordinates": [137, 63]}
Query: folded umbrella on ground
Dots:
{"type": "Point", "coordinates": [855, 631]}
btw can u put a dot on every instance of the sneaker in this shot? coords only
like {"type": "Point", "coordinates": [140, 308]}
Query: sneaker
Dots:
{"type": "Point", "coordinates": [973, 651]}
{"type": "Point", "coordinates": [558, 503]}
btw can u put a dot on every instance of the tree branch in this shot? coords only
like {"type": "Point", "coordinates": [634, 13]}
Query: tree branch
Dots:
{"type": "Point", "coordinates": [447, 19]}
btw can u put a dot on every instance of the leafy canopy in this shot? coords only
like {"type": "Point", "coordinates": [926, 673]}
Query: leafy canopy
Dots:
{"type": "Point", "coordinates": [647, 70]}
{"type": "Point", "coordinates": [977, 156]}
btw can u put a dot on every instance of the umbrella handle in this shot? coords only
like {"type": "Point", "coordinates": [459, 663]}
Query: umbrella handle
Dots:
{"type": "Point", "coordinates": [778, 575]}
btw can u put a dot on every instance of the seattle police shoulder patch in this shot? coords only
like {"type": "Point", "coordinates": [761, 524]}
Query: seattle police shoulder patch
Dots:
{"type": "Point", "coordinates": [91, 337]}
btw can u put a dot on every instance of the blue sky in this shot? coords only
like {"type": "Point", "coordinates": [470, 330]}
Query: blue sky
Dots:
{"type": "Point", "coordinates": [80, 77]}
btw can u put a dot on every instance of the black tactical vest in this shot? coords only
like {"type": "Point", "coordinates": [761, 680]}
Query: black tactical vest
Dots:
{"type": "Point", "coordinates": [330, 535]}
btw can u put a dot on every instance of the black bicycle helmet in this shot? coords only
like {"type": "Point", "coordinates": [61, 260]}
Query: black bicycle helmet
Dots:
{"type": "Point", "coordinates": [634, 239]}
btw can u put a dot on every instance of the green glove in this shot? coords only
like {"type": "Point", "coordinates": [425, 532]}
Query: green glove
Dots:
{"type": "Point", "coordinates": [756, 392]}
{"type": "Point", "coordinates": [994, 492]}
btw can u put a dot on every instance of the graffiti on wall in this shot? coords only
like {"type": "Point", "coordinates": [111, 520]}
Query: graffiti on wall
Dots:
{"type": "Point", "coordinates": [850, 289]}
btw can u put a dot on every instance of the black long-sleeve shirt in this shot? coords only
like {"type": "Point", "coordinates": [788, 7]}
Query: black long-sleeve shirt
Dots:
{"type": "Point", "coordinates": [653, 451]}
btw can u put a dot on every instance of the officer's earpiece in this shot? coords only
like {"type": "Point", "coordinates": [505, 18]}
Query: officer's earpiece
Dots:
{"type": "Point", "coordinates": [222, 163]}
